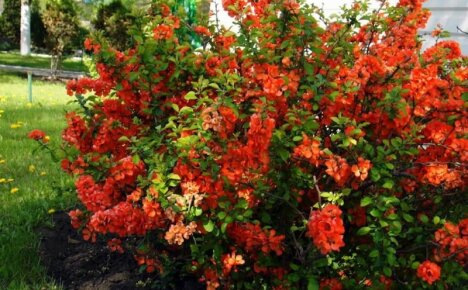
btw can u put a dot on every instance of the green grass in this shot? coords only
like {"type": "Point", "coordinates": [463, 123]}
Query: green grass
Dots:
{"type": "Point", "coordinates": [68, 63]}
{"type": "Point", "coordinates": [26, 200]}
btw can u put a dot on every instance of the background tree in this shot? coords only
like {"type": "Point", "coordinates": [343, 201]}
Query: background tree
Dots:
{"type": "Point", "coordinates": [62, 25]}
{"type": "Point", "coordinates": [38, 30]}
{"type": "Point", "coordinates": [113, 19]}
{"type": "Point", "coordinates": [10, 24]}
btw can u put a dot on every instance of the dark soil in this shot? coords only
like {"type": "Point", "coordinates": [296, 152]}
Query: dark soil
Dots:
{"type": "Point", "coordinates": [80, 265]}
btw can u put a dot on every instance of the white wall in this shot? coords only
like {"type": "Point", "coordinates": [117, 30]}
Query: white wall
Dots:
{"type": "Point", "coordinates": [448, 13]}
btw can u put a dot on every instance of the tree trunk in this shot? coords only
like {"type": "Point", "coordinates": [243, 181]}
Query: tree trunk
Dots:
{"type": "Point", "coordinates": [25, 40]}
{"type": "Point", "coordinates": [2, 6]}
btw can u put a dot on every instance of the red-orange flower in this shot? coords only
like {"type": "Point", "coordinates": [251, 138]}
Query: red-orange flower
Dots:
{"type": "Point", "coordinates": [38, 135]}
{"type": "Point", "coordinates": [162, 31]}
{"type": "Point", "coordinates": [331, 284]}
{"type": "Point", "coordinates": [326, 228]}
{"type": "Point", "coordinates": [429, 272]}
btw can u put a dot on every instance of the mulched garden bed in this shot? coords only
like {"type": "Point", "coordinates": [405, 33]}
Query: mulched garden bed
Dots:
{"type": "Point", "coordinates": [78, 264]}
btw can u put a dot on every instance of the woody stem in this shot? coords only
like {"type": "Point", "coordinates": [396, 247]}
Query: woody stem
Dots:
{"type": "Point", "coordinates": [319, 193]}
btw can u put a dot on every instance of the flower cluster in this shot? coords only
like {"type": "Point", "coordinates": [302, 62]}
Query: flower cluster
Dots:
{"type": "Point", "coordinates": [326, 228]}
{"type": "Point", "coordinates": [453, 242]}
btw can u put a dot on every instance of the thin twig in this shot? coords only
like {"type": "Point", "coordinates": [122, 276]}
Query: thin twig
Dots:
{"type": "Point", "coordinates": [319, 193]}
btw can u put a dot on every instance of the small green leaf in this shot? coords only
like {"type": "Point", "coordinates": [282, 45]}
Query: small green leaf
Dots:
{"type": "Point", "coordinates": [366, 201]}
{"type": "Point", "coordinates": [190, 96]}
{"type": "Point", "coordinates": [223, 227]}
{"type": "Point", "coordinates": [408, 217]}
{"type": "Point", "coordinates": [297, 138]}
{"type": "Point", "coordinates": [312, 283]}
{"type": "Point", "coordinates": [173, 176]}
{"type": "Point", "coordinates": [374, 253]}
{"type": "Point", "coordinates": [198, 211]}
{"type": "Point", "coordinates": [221, 215]}
{"type": "Point", "coordinates": [209, 226]}
{"type": "Point", "coordinates": [388, 184]}
{"type": "Point", "coordinates": [363, 231]}
{"type": "Point", "coordinates": [423, 218]}
{"type": "Point", "coordinates": [392, 216]}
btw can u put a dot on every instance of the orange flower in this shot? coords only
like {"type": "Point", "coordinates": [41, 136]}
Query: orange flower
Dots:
{"type": "Point", "coordinates": [162, 31]}
{"type": "Point", "coordinates": [308, 149]}
{"type": "Point", "coordinates": [38, 135]}
{"type": "Point", "coordinates": [178, 232]}
{"type": "Point", "coordinates": [361, 169]}
{"type": "Point", "coordinates": [339, 169]}
{"type": "Point", "coordinates": [202, 30]}
{"type": "Point", "coordinates": [230, 261]}
{"type": "Point", "coordinates": [429, 272]}
{"type": "Point", "coordinates": [331, 284]}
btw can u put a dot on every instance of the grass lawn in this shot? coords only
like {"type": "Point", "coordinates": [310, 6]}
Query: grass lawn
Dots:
{"type": "Point", "coordinates": [68, 63]}
{"type": "Point", "coordinates": [31, 184]}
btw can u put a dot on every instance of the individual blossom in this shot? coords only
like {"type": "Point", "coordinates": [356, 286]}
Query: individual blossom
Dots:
{"type": "Point", "coordinates": [338, 168]}
{"type": "Point", "coordinates": [202, 30]}
{"type": "Point", "coordinates": [331, 284]}
{"type": "Point", "coordinates": [253, 238]}
{"type": "Point", "coordinates": [151, 264]}
{"type": "Point", "coordinates": [76, 217]}
{"type": "Point", "coordinates": [115, 245]}
{"type": "Point", "coordinates": [211, 278]}
{"type": "Point", "coordinates": [429, 272]}
{"type": "Point", "coordinates": [38, 135]}
{"type": "Point", "coordinates": [231, 261]}
{"type": "Point", "coordinates": [162, 32]}
{"type": "Point", "coordinates": [358, 215]}
{"type": "Point", "coordinates": [361, 169]}
{"type": "Point", "coordinates": [180, 232]}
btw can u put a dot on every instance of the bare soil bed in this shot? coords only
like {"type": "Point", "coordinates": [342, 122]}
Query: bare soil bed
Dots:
{"type": "Point", "coordinates": [80, 265]}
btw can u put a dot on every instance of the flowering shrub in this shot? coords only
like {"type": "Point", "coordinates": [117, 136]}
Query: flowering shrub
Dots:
{"type": "Point", "coordinates": [301, 152]}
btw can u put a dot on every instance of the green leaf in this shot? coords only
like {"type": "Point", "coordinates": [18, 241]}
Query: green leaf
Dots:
{"type": "Point", "coordinates": [408, 217]}
{"type": "Point", "coordinates": [242, 203]}
{"type": "Point", "coordinates": [392, 216]}
{"type": "Point", "coordinates": [297, 138]}
{"type": "Point", "coordinates": [424, 218]}
{"type": "Point", "coordinates": [190, 96]}
{"type": "Point", "coordinates": [223, 227]}
{"type": "Point", "coordinates": [388, 184]}
{"type": "Point", "coordinates": [374, 253]}
{"type": "Point", "coordinates": [136, 159]}
{"type": "Point", "coordinates": [173, 176]}
{"type": "Point", "coordinates": [366, 201]}
{"type": "Point", "coordinates": [387, 271]}
{"type": "Point", "coordinates": [221, 215]}
{"type": "Point", "coordinates": [312, 283]}
{"type": "Point", "coordinates": [363, 231]}
{"type": "Point", "coordinates": [436, 220]}
{"type": "Point", "coordinates": [209, 226]}
{"type": "Point", "coordinates": [294, 267]}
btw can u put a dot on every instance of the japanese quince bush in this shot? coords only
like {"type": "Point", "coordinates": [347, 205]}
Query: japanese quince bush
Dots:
{"type": "Point", "coordinates": [298, 152]}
